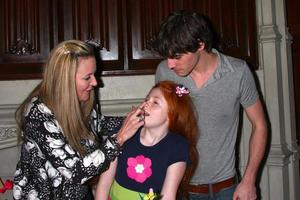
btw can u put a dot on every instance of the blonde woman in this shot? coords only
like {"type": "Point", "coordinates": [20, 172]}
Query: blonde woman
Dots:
{"type": "Point", "coordinates": [62, 129]}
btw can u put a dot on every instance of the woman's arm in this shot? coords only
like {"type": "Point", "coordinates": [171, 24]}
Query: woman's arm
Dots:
{"type": "Point", "coordinates": [44, 140]}
{"type": "Point", "coordinates": [122, 128]}
{"type": "Point", "coordinates": [173, 178]}
{"type": "Point", "coordinates": [105, 181]}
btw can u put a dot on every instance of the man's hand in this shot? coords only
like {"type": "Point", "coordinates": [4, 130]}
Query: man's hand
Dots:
{"type": "Point", "coordinates": [245, 191]}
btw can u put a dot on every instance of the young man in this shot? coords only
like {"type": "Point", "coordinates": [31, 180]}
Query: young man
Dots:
{"type": "Point", "coordinates": [218, 84]}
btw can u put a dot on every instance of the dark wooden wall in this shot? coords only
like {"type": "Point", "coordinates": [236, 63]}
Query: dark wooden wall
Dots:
{"type": "Point", "coordinates": [293, 17]}
{"type": "Point", "coordinates": [31, 28]}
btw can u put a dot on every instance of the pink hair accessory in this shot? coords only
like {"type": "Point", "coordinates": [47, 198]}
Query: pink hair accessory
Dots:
{"type": "Point", "coordinates": [181, 90]}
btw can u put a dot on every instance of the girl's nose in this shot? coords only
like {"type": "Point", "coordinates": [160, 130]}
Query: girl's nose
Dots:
{"type": "Point", "coordinates": [145, 104]}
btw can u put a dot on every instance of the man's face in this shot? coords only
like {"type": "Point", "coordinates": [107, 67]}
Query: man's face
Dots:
{"type": "Point", "coordinates": [184, 64]}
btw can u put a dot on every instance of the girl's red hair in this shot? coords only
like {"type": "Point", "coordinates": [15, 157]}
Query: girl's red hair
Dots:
{"type": "Point", "coordinates": [182, 120]}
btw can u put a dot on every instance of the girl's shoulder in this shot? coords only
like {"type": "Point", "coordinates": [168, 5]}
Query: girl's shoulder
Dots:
{"type": "Point", "coordinates": [176, 140]}
{"type": "Point", "coordinates": [177, 137]}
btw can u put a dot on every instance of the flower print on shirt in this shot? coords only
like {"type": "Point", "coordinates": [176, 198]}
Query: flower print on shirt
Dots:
{"type": "Point", "coordinates": [95, 158]}
{"type": "Point", "coordinates": [70, 163]}
{"type": "Point", "coordinates": [48, 161]}
{"type": "Point", "coordinates": [65, 172]}
{"type": "Point", "coordinates": [23, 182]}
{"type": "Point", "coordinates": [29, 106]}
{"type": "Point", "coordinates": [43, 173]}
{"type": "Point", "coordinates": [69, 149]}
{"type": "Point", "coordinates": [139, 168]}
{"type": "Point", "coordinates": [33, 195]}
{"type": "Point", "coordinates": [17, 192]}
{"type": "Point", "coordinates": [53, 174]}
{"type": "Point", "coordinates": [56, 145]}
{"type": "Point", "coordinates": [30, 145]}
{"type": "Point", "coordinates": [44, 109]}
{"type": "Point", "coordinates": [52, 126]}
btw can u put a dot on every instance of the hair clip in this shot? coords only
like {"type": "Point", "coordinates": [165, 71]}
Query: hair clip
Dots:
{"type": "Point", "coordinates": [66, 52]}
{"type": "Point", "coordinates": [181, 90]}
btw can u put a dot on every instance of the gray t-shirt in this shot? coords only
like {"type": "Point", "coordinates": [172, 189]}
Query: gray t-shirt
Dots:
{"type": "Point", "coordinates": [217, 104]}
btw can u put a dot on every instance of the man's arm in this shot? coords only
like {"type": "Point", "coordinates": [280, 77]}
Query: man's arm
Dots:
{"type": "Point", "coordinates": [246, 189]}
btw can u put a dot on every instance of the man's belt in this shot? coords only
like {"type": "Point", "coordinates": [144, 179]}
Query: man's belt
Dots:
{"type": "Point", "coordinates": [215, 187]}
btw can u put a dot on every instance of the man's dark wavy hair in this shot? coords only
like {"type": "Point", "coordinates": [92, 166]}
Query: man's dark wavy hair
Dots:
{"type": "Point", "coordinates": [181, 32]}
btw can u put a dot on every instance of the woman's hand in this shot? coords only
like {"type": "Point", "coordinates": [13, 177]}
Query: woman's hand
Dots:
{"type": "Point", "coordinates": [131, 124]}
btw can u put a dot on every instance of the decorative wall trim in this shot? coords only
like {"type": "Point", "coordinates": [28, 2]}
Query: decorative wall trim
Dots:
{"type": "Point", "coordinates": [22, 47]}
{"type": "Point", "coordinates": [269, 33]}
{"type": "Point", "coordinates": [279, 155]}
{"type": "Point", "coordinates": [8, 136]}
{"type": "Point", "coordinates": [8, 142]}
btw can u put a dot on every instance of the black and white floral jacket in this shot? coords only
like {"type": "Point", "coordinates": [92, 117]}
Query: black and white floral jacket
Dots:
{"type": "Point", "coordinates": [49, 168]}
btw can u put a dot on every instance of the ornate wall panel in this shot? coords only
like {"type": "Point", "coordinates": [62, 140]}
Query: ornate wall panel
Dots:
{"type": "Point", "coordinates": [99, 21]}
{"type": "Point", "coordinates": [293, 16]}
{"type": "Point", "coordinates": [31, 28]}
{"type": "Point", "coordinates": [235, 26]}
{"type": "Point", "coordinates": [233, 20]}
{"type": "Point", "coordinates": [24, 37]}
{"type": "Point", "coordinates": [144, 18]}
{"type": "Point", "coordinates": [238, 30]}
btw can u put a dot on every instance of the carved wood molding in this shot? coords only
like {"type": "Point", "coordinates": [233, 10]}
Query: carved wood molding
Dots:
{"type": "Point", "coordinates": [21, 27]}
{"type": "Point", "coordinates": [22, 47]}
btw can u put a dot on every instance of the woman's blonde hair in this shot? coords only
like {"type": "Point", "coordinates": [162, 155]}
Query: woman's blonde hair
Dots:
{"type": "Point", "coordinates": [58, 91]}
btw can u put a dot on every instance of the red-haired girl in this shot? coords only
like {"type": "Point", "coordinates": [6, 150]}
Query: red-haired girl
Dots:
{"type": "Point", "coordinates": [161, 157]}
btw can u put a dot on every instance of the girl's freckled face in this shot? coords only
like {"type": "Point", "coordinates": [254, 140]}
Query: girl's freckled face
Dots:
{"type": "Point", "coordinates": [156, 109]}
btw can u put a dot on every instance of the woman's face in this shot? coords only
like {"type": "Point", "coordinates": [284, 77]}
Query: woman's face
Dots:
{"type": "Point", "coordinates": [156, 109]}
{"type": "Point", "coordinates": [85, 78]}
